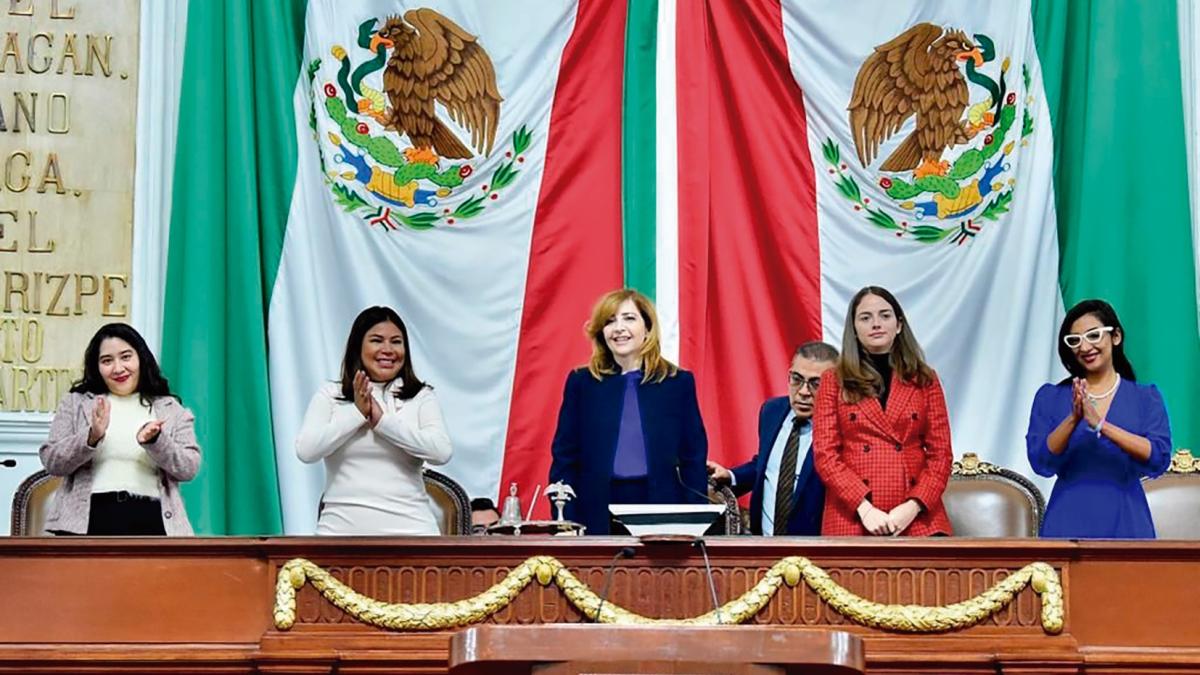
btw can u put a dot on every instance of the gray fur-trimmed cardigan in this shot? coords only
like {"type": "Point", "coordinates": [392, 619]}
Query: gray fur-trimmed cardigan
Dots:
{"type": "Point", "coordinates": [67, 454]}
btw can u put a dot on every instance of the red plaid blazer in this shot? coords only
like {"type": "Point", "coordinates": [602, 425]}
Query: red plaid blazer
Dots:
{"type": "Point", "coordinates": [862, 452]}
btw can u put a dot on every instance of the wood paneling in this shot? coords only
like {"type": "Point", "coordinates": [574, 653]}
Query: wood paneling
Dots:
{"type": "Point", "coordinates": [204, 605]}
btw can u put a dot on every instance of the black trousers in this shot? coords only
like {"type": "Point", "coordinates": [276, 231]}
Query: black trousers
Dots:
{"type": "Point", "coordinates": [125, 514]}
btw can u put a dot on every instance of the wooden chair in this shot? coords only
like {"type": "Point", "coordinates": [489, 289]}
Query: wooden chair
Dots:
{"type": "Point", "coordinates": [30, 504]}
{"type": "Point", "coordinates": [452, 507]}
{"type": "Point", "coordinates": [985, 500]}
{"type": "Point", "coordinates": [1174, 498]}
{"type": "Point", "coordinates": [733, 512]}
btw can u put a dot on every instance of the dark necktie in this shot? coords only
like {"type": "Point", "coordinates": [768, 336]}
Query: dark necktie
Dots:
{"type": "Point", "coordinates": [787, 478]}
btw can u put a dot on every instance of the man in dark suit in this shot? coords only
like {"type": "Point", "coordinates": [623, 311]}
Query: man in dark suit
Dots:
{"type": "Point", "coordinates": [788, 496]}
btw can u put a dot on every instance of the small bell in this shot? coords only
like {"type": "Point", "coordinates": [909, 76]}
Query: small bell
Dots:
{"type": "Point", "coordinates": [511, 514]}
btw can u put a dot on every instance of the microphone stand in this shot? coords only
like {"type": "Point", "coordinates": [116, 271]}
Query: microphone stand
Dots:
{"type": "Point", "coordinates": [712, 586]}
{"type": "Point", "coordinates": [625, 552]}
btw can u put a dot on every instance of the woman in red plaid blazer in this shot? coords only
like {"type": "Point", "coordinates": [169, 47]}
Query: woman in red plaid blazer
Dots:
{"type": "Point", "coordinates": [881, 435]}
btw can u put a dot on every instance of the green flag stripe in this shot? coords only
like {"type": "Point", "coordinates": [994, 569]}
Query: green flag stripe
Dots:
{"type": "Point", "coordinates": [234, 171]}
{"type": "Point", "coordinates": [637, 146]}
{"type": "Point", "coordinates": [1121, 183]}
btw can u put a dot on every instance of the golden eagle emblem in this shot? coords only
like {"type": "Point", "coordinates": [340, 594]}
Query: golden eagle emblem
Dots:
{"type": "Point", "coordinates": [915, 74]}
{"type": "Point", "coordinates": [434, 60]}
{"type": "Point", "coordinates": [925, 75]}
{"type": "Point", "coordinates": [388, 88]}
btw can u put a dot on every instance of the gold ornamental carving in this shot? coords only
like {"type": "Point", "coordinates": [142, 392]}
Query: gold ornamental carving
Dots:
{"type": "Point", "coordinates": [790, 570]}
{"type": "Point", "coordinates": [971, 465]}
{"type": "Point", "coordinates": [1183, 461]}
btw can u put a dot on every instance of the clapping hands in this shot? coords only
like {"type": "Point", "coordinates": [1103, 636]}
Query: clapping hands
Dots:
{"type": "Point", "coordinates": [364, 401]}
{"type": "Point", "coordinates": [1083, 407]}
{"type": "Point", "coordinates": [99, 424]}
{"type": "Point", "coordinates": [149, 432]}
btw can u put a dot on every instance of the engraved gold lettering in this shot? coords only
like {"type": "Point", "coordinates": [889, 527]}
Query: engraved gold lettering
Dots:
{"type": "Point", "coordinates": [16, 283]}
{"type": "Point", "coordinates": [28, 111]}
{"type": "Point", "coordinates": [33, 245]}
{"type": "Point", "coordinates": [57, 293]}
{"type": "Point", "coordinates": [31, 53]}
{"type": "Point", "coordinates": [68, 52]}
{"type": "Point", "coordinates": [12, 52]}
{"type": "Point", "coordinates": [84, 289]}
{"type": "Point", "coordinates": [10, 172]}
{"type": "Point", "coordinates": [93, 50]}
{"type": "Point", "coordinates": [21, 386]}
{"type": "Point", "coordinates": [108, 297]}
{"type": "Point", "coordinates": [56, 13]}
{"type": "Point", "coordinates": [32, 341]}
{"type": "Point", "coordinates": [60, 114]}
{"type": "Point", "coordinates": [8, 249]}
{"type": "Point", "coordinates": [52, 175]}
{"type": "Point", "coordinates": [10, 329]}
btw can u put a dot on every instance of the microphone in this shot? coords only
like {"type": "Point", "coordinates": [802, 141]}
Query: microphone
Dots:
{"type": "Point", "coordinates": [712, 585]}
{"type": "Point", "coordinates": [679, 477]}
{"type": "Point", "coordinates": [625, 552]}
{"type": "Point", "coordinates": [10, 463]}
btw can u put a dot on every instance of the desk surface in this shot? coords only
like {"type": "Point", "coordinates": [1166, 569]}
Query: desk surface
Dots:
{"type": "Point", "coordinates": [1129, 607]}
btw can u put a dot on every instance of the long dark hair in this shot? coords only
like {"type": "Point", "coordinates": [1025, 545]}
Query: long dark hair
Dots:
{"type": "Point", "coordinates": [352, 360]}
{"type": "Point", "coordinates": [151, 383]}
{"type": "Point", "coordinates": [1107, 316]}
{"type": "Point", "coordinates": [859, 378]}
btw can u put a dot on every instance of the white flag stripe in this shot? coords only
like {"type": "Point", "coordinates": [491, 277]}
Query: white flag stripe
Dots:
{"type": "Point", "coordinates": [666, 211]}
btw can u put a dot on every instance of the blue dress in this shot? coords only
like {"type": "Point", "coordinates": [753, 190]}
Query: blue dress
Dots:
{"type": "Point", "coordinates": [1099, 492]}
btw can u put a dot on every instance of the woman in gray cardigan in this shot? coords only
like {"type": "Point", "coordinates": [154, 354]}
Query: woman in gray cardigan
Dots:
{"type": "Point", "coordinates": [122, 443]}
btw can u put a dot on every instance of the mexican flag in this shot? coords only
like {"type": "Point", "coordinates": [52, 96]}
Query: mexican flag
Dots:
{"type": "Point", "coordinates": [977, 160]}
{"type": "Point", "coordinates": [490, 169]}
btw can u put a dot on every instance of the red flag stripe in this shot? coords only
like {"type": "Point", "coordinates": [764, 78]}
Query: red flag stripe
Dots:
{"type": "Point", "coordinates": [749, 265]}
{"type": "Point", "coordinates": [575, 253]}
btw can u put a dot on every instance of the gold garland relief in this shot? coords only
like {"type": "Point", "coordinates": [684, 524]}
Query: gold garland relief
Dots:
{"type": "Point", "coordinates": [546, 570]}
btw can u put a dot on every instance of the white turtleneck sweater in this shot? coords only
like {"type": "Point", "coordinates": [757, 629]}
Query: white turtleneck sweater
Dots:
{"type": "Point", "coordinates": [373, 482]}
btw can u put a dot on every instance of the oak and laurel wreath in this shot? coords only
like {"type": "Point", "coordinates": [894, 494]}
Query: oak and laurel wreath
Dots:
{"type": "Point", "coordinates": [926, 234]}
{"type": "Point", "coordinates": [351, 201]}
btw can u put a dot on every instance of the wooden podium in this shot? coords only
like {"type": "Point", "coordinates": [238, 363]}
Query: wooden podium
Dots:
{"type": "Point", "coordinates": [576, 649]}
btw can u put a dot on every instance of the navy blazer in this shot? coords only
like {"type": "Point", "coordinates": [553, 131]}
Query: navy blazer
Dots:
{"type": "Point", "coordinates": [808, 501]}
{"type": "Point", "coordinates": [585, 442]}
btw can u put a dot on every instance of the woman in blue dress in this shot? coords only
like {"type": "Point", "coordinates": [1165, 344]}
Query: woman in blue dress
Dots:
{"type": "Point", "coordinates": [1099, 432]}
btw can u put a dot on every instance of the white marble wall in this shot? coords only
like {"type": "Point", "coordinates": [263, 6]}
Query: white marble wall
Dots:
{"type": "Point", "coordinates": [163, 33]}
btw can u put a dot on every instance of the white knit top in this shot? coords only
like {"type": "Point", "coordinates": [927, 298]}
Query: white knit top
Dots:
{"type": "Point", "coordinates": [373, 482]}
{"type": "Point", "coordinates": [120, 462]}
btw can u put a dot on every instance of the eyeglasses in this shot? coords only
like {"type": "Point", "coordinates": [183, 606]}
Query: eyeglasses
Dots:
{"type": "Point", "coordinates": [797, 381]}
{"type": "Point", "coordinates": [1093, 337]}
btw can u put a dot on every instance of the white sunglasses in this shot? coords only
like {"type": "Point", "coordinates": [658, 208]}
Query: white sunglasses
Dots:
{"type": "Point", "coordinates": [1093, 336]}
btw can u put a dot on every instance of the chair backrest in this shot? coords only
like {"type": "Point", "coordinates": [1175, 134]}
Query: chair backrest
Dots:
{"type": "Point", "coordinates": [985, 500]}
{"type": "Point", "coordinates": [451, 505]}
{"type": "Point", "coordinates": [1174, 498]}
{"type": "Point", "coordinates": [733, 513]}
{"type": "Point", "coordinates": [31, 503]}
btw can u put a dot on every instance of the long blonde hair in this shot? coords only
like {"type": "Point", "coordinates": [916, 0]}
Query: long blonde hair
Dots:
{"type": "Point", "coordinates": [655, 368]}
{"type": "Point", "coordinates": [858, 377]}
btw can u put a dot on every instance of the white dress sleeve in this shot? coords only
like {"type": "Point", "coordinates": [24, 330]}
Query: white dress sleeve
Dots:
{"type": "Point", "coordinates": [426, 438]}
{"type": "Point", "coordinates": [328, 424]}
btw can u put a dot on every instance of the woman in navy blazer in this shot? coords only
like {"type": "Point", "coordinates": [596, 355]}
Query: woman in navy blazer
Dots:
{"type": "Point", "coordinates": [629, 429]}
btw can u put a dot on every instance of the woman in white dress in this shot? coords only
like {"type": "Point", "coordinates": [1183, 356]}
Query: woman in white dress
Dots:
{"type": "Point", "coordinates": [376, 430]}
